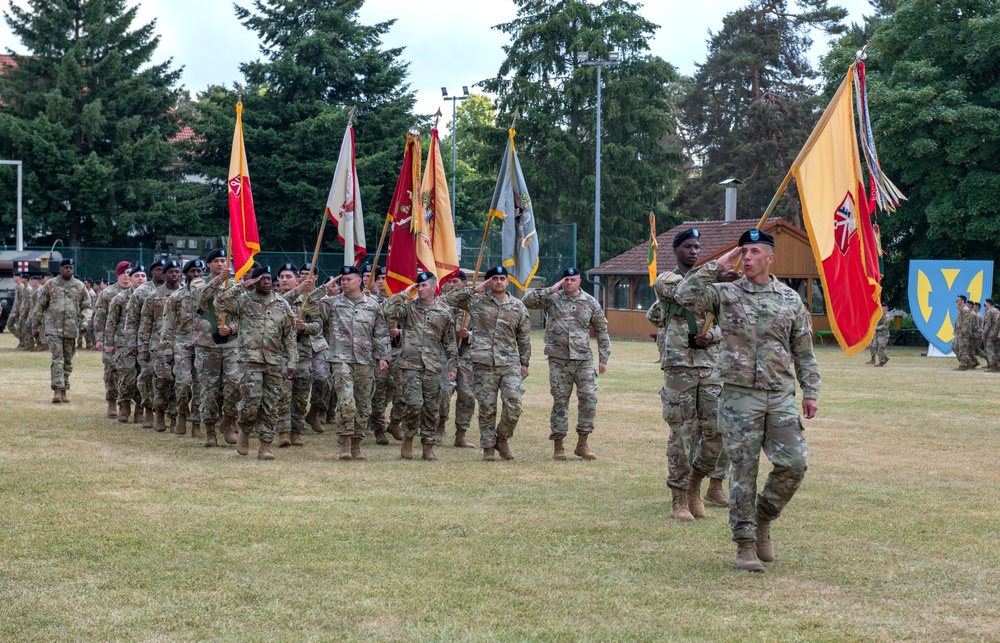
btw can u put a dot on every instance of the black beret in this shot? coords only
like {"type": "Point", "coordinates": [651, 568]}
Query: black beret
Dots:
{"type": "Point", "coordinates": [25, 275]}
{"type": "Point", "coordinates": [306, 267]}
{"type": "Point", "coordinates": [684, 235]}
{"type": "Point", "coordinates": [136, 267]}
{"type": "Point", "coordinates": [349, 270]}
{"type": "Point", "coordinates": [756, 236]}
{"type": "Point", "coordinates": [172, 263]}
{"type": "Point", "coordinates": [260, 270]}
{"type": "Point", "coordinates": [496, 271]}
{"type": "Point", "coordinates": [215, 254]}
{"type": "Point", "coordinates": [380, 271]}
{"type": "Point", "coordinates": [159, 263]}
{"type": "Point", "coordinates": [104, 282]}
{"type": "Point", "coordinates": [570, 272]}
{"type": "Point", "coordinates": [425, 276]}
{"type": "Point", "coordinates": [39, 277]}
{"type": "Point", "coordinates": [460, 275]}
{"type": "Point", "coordinates": [194, 263]}
{"type": "Point", "coordinates": [366, 268]}
{"type": "Point", "coordinates": [288, 267]}
{"type": "Point", "coordinates": [67, 262]}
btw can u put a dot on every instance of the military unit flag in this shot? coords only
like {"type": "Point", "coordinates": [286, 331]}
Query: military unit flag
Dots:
{"type": "Point", "coordinates": [343, 205]}
{"type": "Point", "coordinates": [401, 262]}
{"type": "Point", "coordinates": [437, 250]}
{"type": "Point", "coordinates": [512, 204]}
{"type": "Point", "coordinates": [651, 258]}
{"type": "Point", "coordinates": [242, 220]}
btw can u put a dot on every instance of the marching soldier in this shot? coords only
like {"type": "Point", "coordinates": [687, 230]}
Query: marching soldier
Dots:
{"type": "Point", "coordinates": [465, 399]}
{"type": "Point", "coordinates": [991, 328]}
{"type": "Point", "coordinates": [312, 369]}
{"type": "Point", "coordinates": [89, 334]}
{"type": "Point", "coordinates": [144, 380]}
{"type": "Point", "coordinates": [880, 339]}
{"type": "Point", "coordinates": [962, 344]}
{"type": "Point", "coordinates": [571, 315]}
{"type": "Point", "coordinates": [180, 323]}
{"type": "Point", "coordinates": [388, 385]}
{"type": "Point", "coordinates": [153, 350]}
{"type": "Point", "coordinates": [103, 343]}
{"type": "Point", "coordinates": [62, 312]}
{"type": "Point", "coordinates": [501, 351]}
{"type": "Point", "coordinates": [118, 345]}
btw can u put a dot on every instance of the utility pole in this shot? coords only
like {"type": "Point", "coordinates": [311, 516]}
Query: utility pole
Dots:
{"type": "Point", "coordinates": [454, 139]}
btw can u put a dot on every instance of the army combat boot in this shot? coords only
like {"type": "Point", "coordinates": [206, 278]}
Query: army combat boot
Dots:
{"type": "Point", "coordinates": [406, 450]}
{"type": "Point", "coordinates": [428, 453]}
{"type": "Point", "coordinates": [765, 547]}
{"type": "Point", "coordinates": [581, 450]}
{"type": "Point", "coordinates": [210, 439]}
{"type": "Point", "coordinates": [159, 422]}
{"type": "Point", "coordinates": [227, 430]}
{"type": "Point", "coordinates": [380, 438]}
{"type": "Point", "coordinates": [137, 417]}
{"type": "Point", "coordinates": [196, 430]}
{"type": "Point", "coordinates": [264, 451]}
{"type": "Point", "coordinates": [460, 440]}
{"type": "Point", "coordinates": [504, 449]}
{"type": "Point", "coordinates": [489, 454]}
{"type": "Point", "coordinates": [284, 440]}
{"type": "Point", "coordinates": [62, 396]}
{"type": "Point", "coordinates": [439, 433]}
{"type": "Point", "coordinates": [296, 439]}
{"type": "Point", "coordinates": [181, 427]}
{"type": "Point", "coordinates": [746, 558]}
{"type": "Point", "coordinates": [558, 452]}
{"type": "Point", "coordinates": [243, 442]}
{"type": "Point", "coordinates": [56, 398]}
{"type": "Point", "coordinates": [345, 447]}
{"type": "Point", "coordinates": [679, 505]}
{"type": "Point", "coordinates": [124, 411]}
{"type": "Point", "coordinates": [871, 361]}
{"type": "Point", "coordinates": [394, 430]}
{"type": "Point", "coordinates": [147, 418]}
{"type": "Point", "coordinates": [695, 505]}
{"type": "Point", "coordinates": [112, 409]}
{"type": "Point", "coordinates": [312, 419]}
{"type": "Point", "coordinates": [356, 449]}
{"type": "Point", "coordinates": [715, 494]}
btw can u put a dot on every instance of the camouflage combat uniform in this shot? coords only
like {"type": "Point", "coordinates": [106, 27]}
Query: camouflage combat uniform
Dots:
{"type": "Point", "coordinates": [880, 340]}
{"type": "Point", "coordinates": [991, 328]}
{"type": "Point", "coordinates": [979, 349]}
{"type": "Point", "coordinates": [569, 321]}
{"type": "Point", "coordinates": [358, 340]}
{"type": "Point", "coordinates": [62, 307]}
{"type": "Point", "coordinates": [133, 312]}
{"type": "Point", "coordinates": [962, 344]}
{"type": "Point", "coordinates": [14, 323]}
{"type": "Point", "coordinates": [312, 373]}
{"type": "Point", "coordinates": [149, 340]}
{"type": "Point", "coordinates": [387, 387]}
{"type": "Point", "coordinates": [465, 400]}
{"type": "Point", "coordinates": [428, 351]}
{"type": "Point", "coordinates": [501, 345]}
{"type": "Point", "coordinates": [91, 335]}
{"type": "Point", "coordinates": [765, 327]}
{"type": "Point", "coordinates": [100, 319]}
{"type": "Point", "coordinates": [125, 364]}
{"type": "Point", "coordinates": [690, 393]}
{"type": "Point", "coordinates": [216, 358]}
{"type": "Point", "coordinates": [180, 327]}
{"type": "Point", "coordinates": [267, 350]}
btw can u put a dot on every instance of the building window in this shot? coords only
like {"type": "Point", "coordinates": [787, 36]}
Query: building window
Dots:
{"type": "Point", "coordinates": [620, 296]}
{"type": "Point", "coordinates": [799, 285]}
{"type": "Point", "coordinates": [645, 296]}
{"type": "Point", "coordinates": [818, 304]}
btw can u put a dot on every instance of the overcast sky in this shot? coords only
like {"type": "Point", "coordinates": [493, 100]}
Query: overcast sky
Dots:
{"type": "Point", "coordinates": [447, 42]}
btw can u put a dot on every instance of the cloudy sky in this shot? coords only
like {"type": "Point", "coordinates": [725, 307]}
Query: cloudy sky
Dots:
{"type": "Point", "coordinates": [447, 43]}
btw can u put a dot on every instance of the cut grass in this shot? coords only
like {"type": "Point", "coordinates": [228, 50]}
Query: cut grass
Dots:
{"type": "Point", "coordinates": [116, 532]}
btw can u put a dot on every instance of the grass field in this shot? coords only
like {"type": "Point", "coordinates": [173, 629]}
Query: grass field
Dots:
{"type": "Point", "coordinates": [114, 532]}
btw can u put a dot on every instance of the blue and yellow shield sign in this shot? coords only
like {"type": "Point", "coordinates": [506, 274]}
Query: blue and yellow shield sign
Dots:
{"type": "Point", "coordinates": [935, 286]}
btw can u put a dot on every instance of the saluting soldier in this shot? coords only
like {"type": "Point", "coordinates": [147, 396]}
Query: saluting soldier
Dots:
{"type": "Point", "coordinates": [465, 398]}
{"type": "Point", "coordinates": [501, 351]}
{"type": "Point", "coordinates": [104, 343]}
{"type": "Point", "coordinates": [62, 312]}
{"type": "Point", "coordinates": [765, 328]}
{"type": "Point", "coordinates": [571, 315]}
{"type": "Point", "coordinates": [153, 350]}
{"type": "Point", "coordinates": [116, 337]}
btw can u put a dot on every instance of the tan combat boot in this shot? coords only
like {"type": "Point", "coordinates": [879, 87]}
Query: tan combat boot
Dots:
{"type": "Point", "coordinates": [147, 418]}
{"type": "Point", "coordinates": [196, 430]}
{"type": "Point", "coordinates": [428, 452]}
{"type": "Point", "coordinates": [181, 427]}
{"type": "Point", "coordinates": [395, 431]}
{"type": "Point", "coordinates": [558, 452]}
{"type": "Point", "coordinates": [124, 411]}
{"type": "Point", "coordinates": [356, 449]}
{"type": "Point", "coordinates": [765, 547]}
{"type": "Point", "coordinates": [296, 439]}
{"type": "Point", "coordinates": [159, 422]}
{"type": "Point", "coordinates": [112, 409]}
{"type": "Point", "coordinates": [460, 440]}
{"type": "Point", "coordinates": [503, 449]}
{"type": "Point", "coordinates": [210, 439]}
{"type": "Point", "coordinates": [715, 494]}
{"type": "Point", "coordinates": [137, 417]}
{"type": "Point", "coordinates": [264, 451]}
{"type": "Point", "coordinates": [746, 558]}
{"type": "Point", "coordinates": [489, 454]}
{"type": "Point", "coordinates": [380, 438]}
{"type": "Point", "coordinates": [243, 442]}
{"type": "Point", "coordinates": [312, 419]}
{"type": "Point", "coordinates": [345, 447]}
{"type": "Point", "coordinates": [871, 361]}
{"type": "Point", "coordinates": [406, 450]}
{"type": "Point", "coordinates": [227, 430]}
{"type": "Point", "coordinates": [56, 398]}
{"type": "Point", "coordinates": [679, 505]}
{"type": "Point", "coordinates": [62, 396]}
{"type": "Point", "coordinates": [439, 434]}
{"type": "Point", "coordinates": [581, 450]}
{"type": "Point", "coordinates": [284, 440]}
{"type": "Point", "coordinates": [695, 505]}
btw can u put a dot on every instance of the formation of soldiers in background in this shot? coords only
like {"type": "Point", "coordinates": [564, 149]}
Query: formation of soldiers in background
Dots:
{"type": "Point", "coordinates": [977, 334]}
{"type": "Point", "coordinates": [274, 354]}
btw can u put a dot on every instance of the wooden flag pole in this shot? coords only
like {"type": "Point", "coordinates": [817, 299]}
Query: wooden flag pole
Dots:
{"type": "Point", "coordinates": [378, 251]}
{"type": "Point", "coordinates": [229, 244]}
{"type": "Point", "coordinates": [769, 210]}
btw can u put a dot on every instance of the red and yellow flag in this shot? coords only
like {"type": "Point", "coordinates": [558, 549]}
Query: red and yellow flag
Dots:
{"type": "Point", "coordinates": [653, 245]}
{"type": "Point", "coordinates": [242, 220]}
{"type": "Point", "coordinates": [437, 250]}
{"type": "Point", "coordinates": [836, 213]}
{"type": "Point", "coordinates": [401, 262]}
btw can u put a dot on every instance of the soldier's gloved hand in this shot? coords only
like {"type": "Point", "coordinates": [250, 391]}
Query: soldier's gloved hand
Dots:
{"type": "Point", "coordinates": [383, 365]}
{"type": "Point", "coordinates": [602, 368]}
{"type": "Point", "coordinates": [133, 351]}
{"type": "Point", "coordinates": [146, 356]}
{"type": "Point", "coordinates": [809, 408]}
{"type": "Point", "coordinates": [170, 359]}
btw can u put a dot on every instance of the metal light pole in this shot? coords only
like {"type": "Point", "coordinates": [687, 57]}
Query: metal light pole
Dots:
{"type": "Point", "coordinates": [454, 139]}
{"type": "Point", "coordinates": [599, 63]}
{"type": "Point", "coordinates": [20, 222]}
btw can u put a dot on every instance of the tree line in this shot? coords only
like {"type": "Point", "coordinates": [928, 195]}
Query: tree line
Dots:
{"type": "Point", "coordinates": [98, 124]}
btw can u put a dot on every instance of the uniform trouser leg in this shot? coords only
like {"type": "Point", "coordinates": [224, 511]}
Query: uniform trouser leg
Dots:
{"type": "Point", "coordinates": [421, 401]}
{"type": "Point", "coordinates": [353, 383]}
{"type": "Point", "coordinates": [301, 387]}
{"type": "Point", "coordinates": [164, 392]}
{"type": "Point", "coordinates": [144, 383]}
{"type": "Point", "coordinates": [444, 400]}
{"type": "Point", "coordinates": [379, 400]}
{"type": "Point", "coordinates": [394, 394]}
{"type": "Point", "coordinates": [62, 350]}
{"type": "Point", "coordinates": [465, 400]}
{"type": "Point", "coordinates": [230, 381]}
{"type": "Point", "coordinates": [209, 364]}
{"type": "Point", "coordinates": [261, 390]}
{"type": "Point", "coordinates": [489, 382]}
{"type": "Point", "coordinates": [184, 377]}
{"type": "Point", "coordinates": [752, 420]}
{"type": "Point", "coordinates": [991, 353]}
{"type": "Point", "coordinates": [679, 401]}
{"type": "Point", "coordinates": [128, 375]}
{"type": "Point", "coordinates": [110, 376]}
{"type": "Point", "coordinates": [564, 375]}
{"type": "Point", "coordinates": [721, 471]}
{"type": "Point", "coordinates": [707, 445]}
{"type": "Point", "coordinates": [320, 384]}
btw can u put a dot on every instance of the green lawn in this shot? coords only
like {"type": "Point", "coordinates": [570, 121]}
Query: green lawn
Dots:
{"type": "Point", "coordinates": [114, 532]}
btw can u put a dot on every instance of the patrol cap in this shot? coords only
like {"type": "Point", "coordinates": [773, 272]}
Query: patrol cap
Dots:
{"type": "Point", "coordinates": [349, 270]}
{"type": "Point", "coordinates": [425, 276]}
{"type": "Point", "coordinates": [496, 271]}
{"type": "Point", "coordinates": [122, 267]}
{"type": "Point", "coordinates": [159, 263]}
{"type": "Point", "coordinates": [570, 272]}
{"type": "Point", "coordinates": [67, 262]}
{"type": "Point", "coordinates": [260, 270]}
{"type": "Point", "coordinates": [215, 254]}
{"type": "Point", "coordinates": [306, 267]}
{"type": "Point", "coordinates": [194, 263]}
{"type": "Point", "coordinates": [756, 236]}
{"type": "Point", "coordinates": [136, 268]}
{"type": "Point", "coordinates": [684, 235]}
{"type": "Point", "coordinates": [173, 263]}
{"type": "Point", "coordinates": [288, 267]}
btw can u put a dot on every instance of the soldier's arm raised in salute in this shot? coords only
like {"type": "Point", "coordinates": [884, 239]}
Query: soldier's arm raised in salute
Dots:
{"type": "Point", "coordinates": [696, 290]}
{"type": "Point", "coordinates": [541, 297]}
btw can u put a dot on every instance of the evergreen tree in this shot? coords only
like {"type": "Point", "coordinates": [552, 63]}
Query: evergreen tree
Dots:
{"type": "Point", "coordinates": [93, 121]}
{"type": "Point", "coordinates": [318, 62]}
{"type": "Point", "coordinates": [478, 160]}
{"type": "Point", "coordinates": [543, 76]}
{"type": "Point", "coordinates": [751, 106]}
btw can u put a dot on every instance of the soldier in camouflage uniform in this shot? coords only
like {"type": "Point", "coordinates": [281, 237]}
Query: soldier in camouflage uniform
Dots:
{"type": "Point", "coordinates": [570, 316]}
{"type": "Point", "coordinates": [332, 288]}
{"type": "Point", "coordinates": [765, 327]}
{"type": "Point", "coordinates": [216, 355]}
{"type": "Point", "coordinates": [358, 340]}
{"type": "Point", "coordinates": [27, 303]}
{"type": "Point", "coordinates": [267, 356]}
{"type": "Point", "coordinates": [501, 351]}
{"type": "Point", "coordinates": [388, 386]}
{"type": "Point", "coordinates": [881, 339]}
{"type": "Point", "coordinates": [180, 325]}
{"type": "Point", "coordinates": [99, 287]}
{"type": "Point", "coordinates": [62, 312]}
{"type": "Point", "coordinates": [14, 319]}
{"type": "Point", "coordinates": [37, 329]}
{"type": "Point", "coordinates": [153, 350]}
{"type": "Point", "coordinates": [962, 344]}
{"type": "Point", "coordinates": [977, 330]}
{"type": "Point", "coordinates": [991, 328]}
{"type": "Point", "coordinates": [88, 335]}
{"type": "Point", "coordinates": [125, 363]}
{"type": "Point", "coordinates": [144, 379]}
{"type": "Point", "coordinates": [427, 354]}
{"type": "Point", "coordinates": [103, 343]}
{"type": "Point", "coordinates": [465, 400]}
